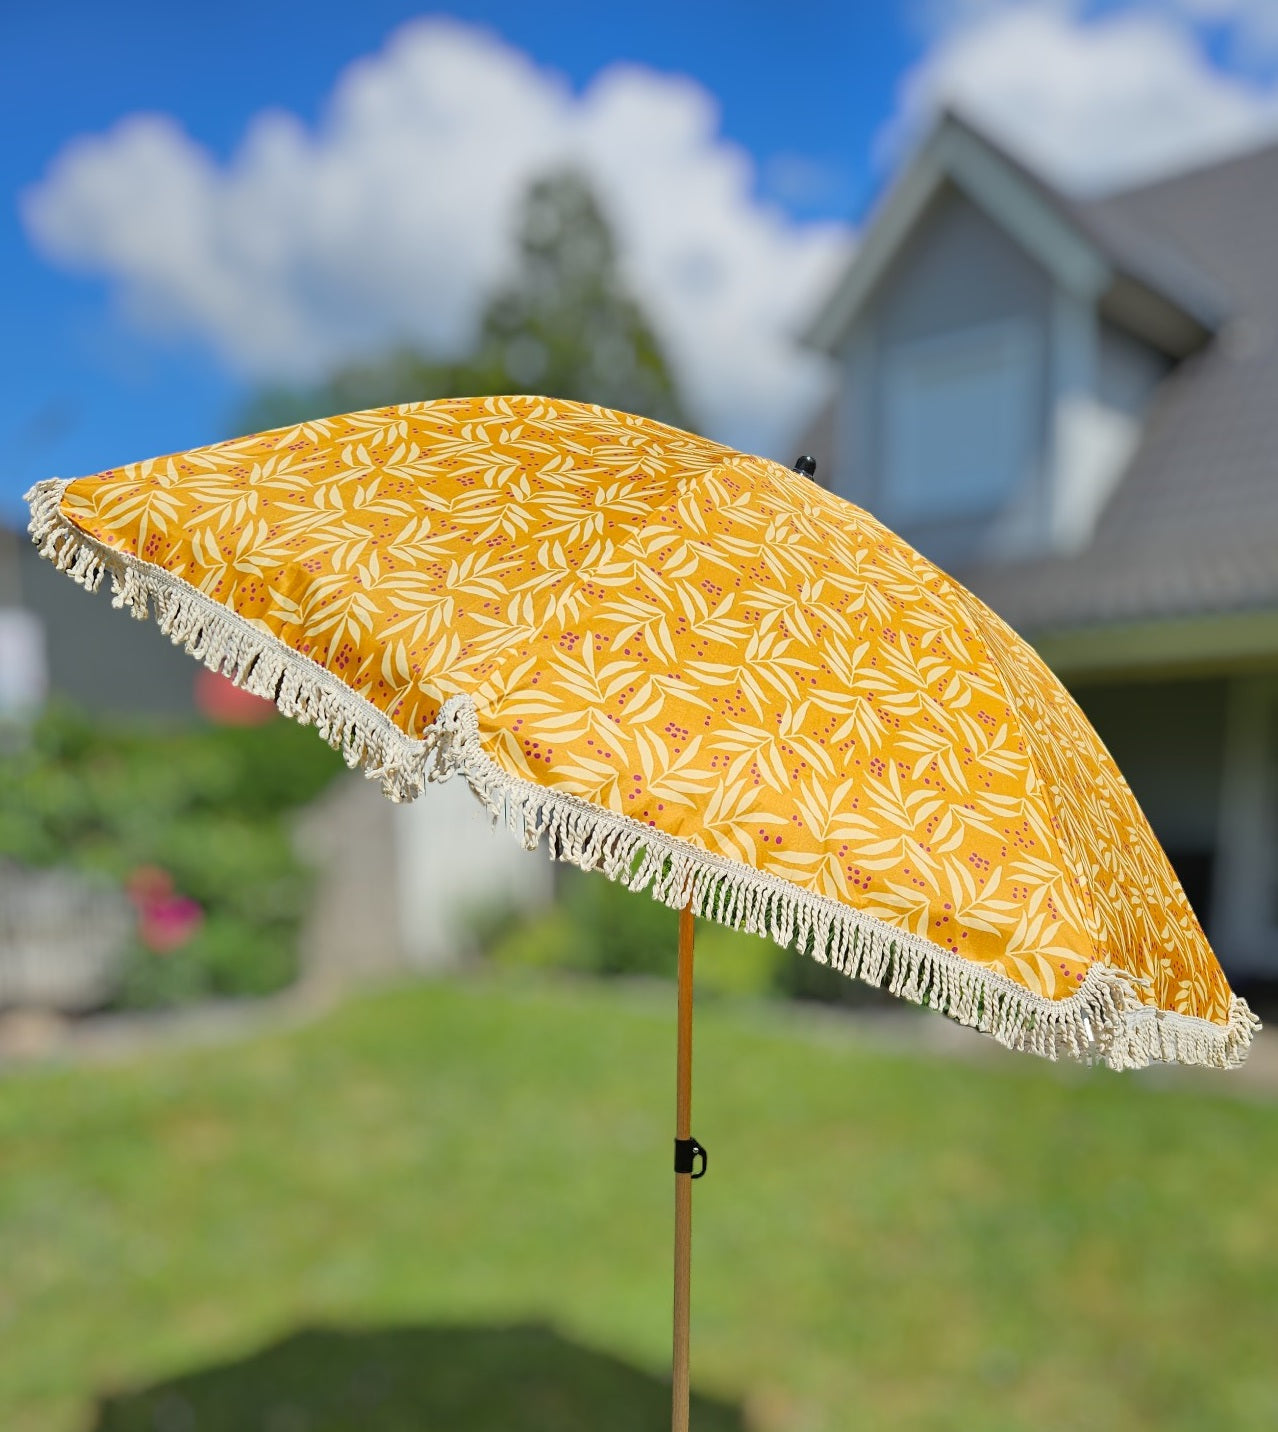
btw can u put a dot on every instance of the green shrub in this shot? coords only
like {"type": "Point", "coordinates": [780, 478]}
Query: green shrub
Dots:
{"type": "Point", "coordinates": [625, 932]}
{"type": "Point", "coordinates": [209, 806]}
{"type": "Point", "coordinates": [599, 927]}
{"type": "Point", "coordinates": [730, 962]}
{"type": "Point", "coordinates": [546, 941]}
{"type": "Point", "coordinates": [799, 976]}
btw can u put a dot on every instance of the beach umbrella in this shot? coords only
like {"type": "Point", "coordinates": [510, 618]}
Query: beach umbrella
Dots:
{"type": "Point", "coordinates": [696, 671]}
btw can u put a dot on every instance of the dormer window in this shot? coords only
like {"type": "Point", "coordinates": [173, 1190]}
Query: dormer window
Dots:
{"type": "Point", "coordinates": [958, 421]}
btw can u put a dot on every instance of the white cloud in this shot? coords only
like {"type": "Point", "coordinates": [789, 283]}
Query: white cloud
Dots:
{"type": "Point", "coordinates": [1094, 103]}
{"type": "Point", "coordinates": [1253, 24]}
{"type": "Point", "coordinates": [391, 221]}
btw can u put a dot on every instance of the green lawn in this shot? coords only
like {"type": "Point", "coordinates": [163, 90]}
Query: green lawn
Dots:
{"type": "Point", "coordinates": [448, 1207]}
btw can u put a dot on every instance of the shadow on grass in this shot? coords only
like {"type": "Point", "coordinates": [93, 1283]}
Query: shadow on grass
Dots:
{"type": "Point", "coordinates": [424, 1379]}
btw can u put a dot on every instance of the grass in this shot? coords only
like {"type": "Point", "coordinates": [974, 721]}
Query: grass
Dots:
{"type": "Point", "coordinates": [448, 1206]}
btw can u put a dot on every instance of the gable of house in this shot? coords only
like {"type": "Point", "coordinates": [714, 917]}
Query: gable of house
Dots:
{"type": "Point", "coordinates": [1106, 460]}
{"type": "Point", "coordinates": [998, 354]}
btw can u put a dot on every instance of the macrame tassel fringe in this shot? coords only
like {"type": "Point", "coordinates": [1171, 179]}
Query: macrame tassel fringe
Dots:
{"type": "Point", "coordinates": [1105, 1021]}
{"type": "Point", "coordinates": [225, 642]}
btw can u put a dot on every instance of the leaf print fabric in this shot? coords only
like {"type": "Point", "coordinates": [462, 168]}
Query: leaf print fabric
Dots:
{"type": "Point", "coordinates": [700, 640]}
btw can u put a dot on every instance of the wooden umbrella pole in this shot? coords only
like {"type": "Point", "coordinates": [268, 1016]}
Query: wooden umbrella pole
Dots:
{"type": "Point", "coordinates": [684, 1151]}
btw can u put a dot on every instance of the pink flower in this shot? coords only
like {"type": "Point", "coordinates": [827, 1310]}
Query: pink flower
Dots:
{"type": "Point", "coordinates": [169, 924]}
{"type": "Point", "coordinates": [166, 920]}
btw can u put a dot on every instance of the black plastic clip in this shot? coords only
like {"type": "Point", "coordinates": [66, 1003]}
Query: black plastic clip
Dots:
{"type": "Point", "coordinates": [806, 464]}
{"type": "Point", "coordinates": [686, 1151]}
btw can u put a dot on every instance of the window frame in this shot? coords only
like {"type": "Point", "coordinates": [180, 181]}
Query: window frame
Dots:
{"type": "Point", "coordinates": [1021, 338]}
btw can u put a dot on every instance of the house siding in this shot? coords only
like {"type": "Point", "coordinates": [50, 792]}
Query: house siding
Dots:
{"type": "Point", "coordinates": [1129, 371]}
{"type": "Point", "coordinates": [1104, 381]}
{"type": "Point", "coordinates": [96, 657]}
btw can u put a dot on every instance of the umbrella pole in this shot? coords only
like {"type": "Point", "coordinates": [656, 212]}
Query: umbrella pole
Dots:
{"type": "Point", "coordinates": [686, 1151]}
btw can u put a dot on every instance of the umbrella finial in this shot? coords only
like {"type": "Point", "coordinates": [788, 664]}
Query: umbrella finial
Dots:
{"type": "Point", "coordinates": [806, 465]}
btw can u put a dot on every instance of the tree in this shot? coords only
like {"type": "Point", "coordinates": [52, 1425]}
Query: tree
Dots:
{"type": "Point", "coordinates": [564, 325]}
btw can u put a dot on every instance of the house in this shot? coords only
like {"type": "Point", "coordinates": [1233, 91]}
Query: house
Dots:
{"type": "Point", "coordinates": [1072, 405]}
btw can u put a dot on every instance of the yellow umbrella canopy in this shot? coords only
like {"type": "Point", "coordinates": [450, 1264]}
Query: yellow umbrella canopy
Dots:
{"type": "Point", "coordinates": [693, 669]}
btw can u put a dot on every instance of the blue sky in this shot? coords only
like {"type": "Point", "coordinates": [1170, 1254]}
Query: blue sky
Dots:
{"type": "Point", "coordinates": [123, 343]}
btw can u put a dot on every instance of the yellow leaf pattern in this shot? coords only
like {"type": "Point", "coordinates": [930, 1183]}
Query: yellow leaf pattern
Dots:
{"type": "Point", "coordinates": [701, 640]}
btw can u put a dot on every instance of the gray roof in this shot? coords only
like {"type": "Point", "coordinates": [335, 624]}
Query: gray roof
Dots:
{"type": "Point", "coordinates": [1192, 527]}
{"type": "Point", "coordinates": [1138, 249]}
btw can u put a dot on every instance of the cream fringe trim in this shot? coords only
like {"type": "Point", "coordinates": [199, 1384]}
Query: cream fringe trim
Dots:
{"type": "Point", "coordinates": [1105, 1021]}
